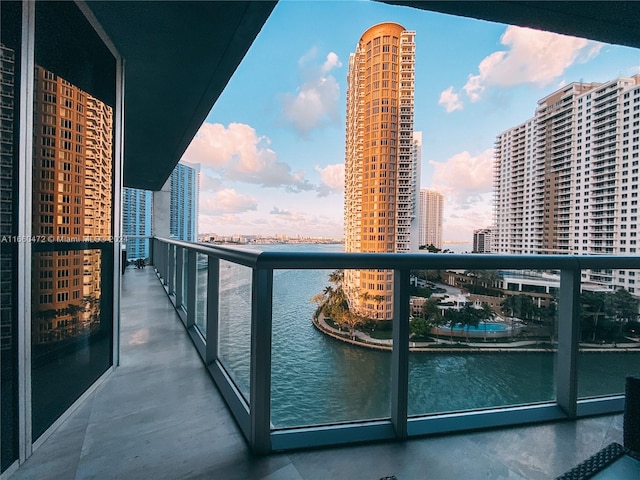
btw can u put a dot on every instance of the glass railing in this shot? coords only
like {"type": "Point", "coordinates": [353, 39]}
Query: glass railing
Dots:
{"type": "Point", "coordinates": [527, 342]}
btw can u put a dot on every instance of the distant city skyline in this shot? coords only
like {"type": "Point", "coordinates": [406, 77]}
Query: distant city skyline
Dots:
{"type": "Point", "coordinates": [272, 148]}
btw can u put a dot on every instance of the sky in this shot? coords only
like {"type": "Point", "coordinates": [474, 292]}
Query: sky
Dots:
{"type": "Point", "coordinates": [272, 148]}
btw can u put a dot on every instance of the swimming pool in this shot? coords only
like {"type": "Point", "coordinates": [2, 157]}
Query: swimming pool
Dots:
{"type": "Point", "coordinates": [483, 328]}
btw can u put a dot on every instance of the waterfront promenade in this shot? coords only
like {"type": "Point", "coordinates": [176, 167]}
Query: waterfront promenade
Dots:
{"type": "Point", "coordinates": [363, 339]}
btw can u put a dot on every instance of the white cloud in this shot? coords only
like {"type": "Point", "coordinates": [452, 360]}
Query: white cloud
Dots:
{"type": "Point", "coordinates": [316, 102]}
{"type": "Point", "coordinates": [332, 177]}
{"type": "Point", "coordinates": [279, 211]}
{"type": "Point", "coordinates": [450, 100]}
{"type": "Point", "coordinates": [532, 56]}
{"type": "Point", "coordinates": [331, 62]}
{"type": "Point", "coordinates": [459, 224]}
{"type": "Point", "coordinates": [464, 178]}
{"type": "Point", "coordinates": [237, 153]}
{"type": "Point", "coordinates": [226, 201]}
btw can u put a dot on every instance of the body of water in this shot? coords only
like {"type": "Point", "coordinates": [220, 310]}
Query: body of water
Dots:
{"type": "Point", "coordinates": [319, 380]}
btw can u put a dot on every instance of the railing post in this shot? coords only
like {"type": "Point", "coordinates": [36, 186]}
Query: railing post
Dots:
{"type": "Point", "coordinates": [157, 256]}
{"type": "Point", "coordinates": [152, 249]}
{"type": "Point", "coordinates": [164, 248]}
{"type": "Point", "coordinates": [400, 353]}
{"type": "Point", "coordinates": [171, 267]}
{"type": "Point", "coordinates": [568, 341]}
{"type": "Point", "coordinates": [192, 272]}
{"type": "Point", "coordinates": [213, 300]}
{"type": "Point", "coordinates": [179, 282]}
{"type": "Point", "coordinates": [260, 396]}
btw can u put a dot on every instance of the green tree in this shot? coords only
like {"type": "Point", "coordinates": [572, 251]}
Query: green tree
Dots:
{"type": "Point", "coordinates": [594, 307]}
{"type": "Point", "coordinates": [419, 327]}
{"type": "Point", "coordinates": [483, 278]}
{"type": "Point", "coordinates": [333, 303]}
{"type": "Point", "coordinates": [430, 248]}
{"type": "Point", "coordinates": [351, 320]}
{"type": "Point", "coordinates": [548, 316]}
{"type": "Point", "coordinates": [429, 275]}
{"type": "Point", "coordinates": [431, 311]}
{"type": "Point", "coordinates": [485, 314]}
{"type": "Point", "coordinates": [510, 306]}
{"type": "Point", "coordinates": [453, 318]}
{"type": "Point", "coordinates": [625, 307]}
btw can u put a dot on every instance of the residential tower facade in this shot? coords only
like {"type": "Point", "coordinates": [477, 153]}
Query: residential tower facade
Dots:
{"type": "Point", "coordinates": [381, 171]}
{"type": "Point", "coordinates": [137, 209]}
{"type": "Point", "coordinates": [566, 181]}
{"type": "Point", "coordinates": [482, 240]}
{"type": "Point", "coordinates": [431, 204]}
{"type": "Point", "coordinates": [185, 191]}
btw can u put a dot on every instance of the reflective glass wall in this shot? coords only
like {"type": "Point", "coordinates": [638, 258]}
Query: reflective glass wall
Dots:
{"type": "Point", "coordinates": [59, 189]}
{"type": "Point", "coordinates": [72, 211]}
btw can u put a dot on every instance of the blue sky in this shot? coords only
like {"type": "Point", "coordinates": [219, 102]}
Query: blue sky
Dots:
{"type": "Point", "coordinates": [272, 148]}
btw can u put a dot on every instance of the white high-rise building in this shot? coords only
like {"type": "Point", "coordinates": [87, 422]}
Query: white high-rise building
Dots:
{"type": "Point", "coordinates": [381, 172]}
{"type": "Point", "coordinates": [566, 181]}
{"type": "Point", "coordinates": [431, 204]}
{"type": "Point", "coordinates": [482, 240]}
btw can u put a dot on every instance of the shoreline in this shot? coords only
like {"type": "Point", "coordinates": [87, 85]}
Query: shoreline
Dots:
{"type": "Point", "coordinates": [363, 340]}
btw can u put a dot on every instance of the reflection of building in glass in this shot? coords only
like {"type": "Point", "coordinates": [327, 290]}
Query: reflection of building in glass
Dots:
{"type": "Point", "coordinates": [72, 189]}
{"type": "Point", "coordinates": [431, 203]}
{"type": "Point", "coordinates": [566, 181]}
{"type": "Point", "coordinates": [7, 76]}
{"type": "Point", "coordinates": [137, 207]}
{"type": "Point", "coordinates": [482, 239]}
{"type": "Point", "coordinates": [185, 189]}
{"type": "Point", "coordinates": [380, 167]}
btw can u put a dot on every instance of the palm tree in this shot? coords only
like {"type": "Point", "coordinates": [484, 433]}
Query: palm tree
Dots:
{"type": "Point", "coordinates": [352, 320]}
{"type": "Point", "coordinates": [594, 304]}
{"type": "Point", "coordinates": [336, 277]}
{"type": "Point", "coordinates": [548, 316]}
{"type": "Point", "coordinates": [454, 318]}
{"type": "Point", "coordinates": [469, 317]}
{"type": "Point", "coordinates": [486, 278]}
{"type": "Point", "coordinates": [484, 315]}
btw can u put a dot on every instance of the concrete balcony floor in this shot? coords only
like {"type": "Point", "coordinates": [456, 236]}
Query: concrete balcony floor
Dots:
{"type": "Point", "coordinates": [159, 416]}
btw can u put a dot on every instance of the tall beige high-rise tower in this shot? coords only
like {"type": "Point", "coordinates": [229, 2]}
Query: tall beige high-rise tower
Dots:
{"type": "Point", "coordinates": [381, 170]}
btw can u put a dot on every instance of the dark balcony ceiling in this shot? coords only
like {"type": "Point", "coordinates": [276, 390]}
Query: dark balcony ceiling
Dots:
{"type": "Point", "coordinates": [180, 55]}
{"type": "Point", "coordinates": [613, 22]}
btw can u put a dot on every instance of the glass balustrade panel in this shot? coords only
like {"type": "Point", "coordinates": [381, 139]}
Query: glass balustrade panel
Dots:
{"type": "Point", "coordinates": [234, 324]}
{"type": "Point", "coordinates": [481, 339]}
{"type": "Point", "coordinates": [202, 266]}
{"type": "Point", "coordinates": [609, 331]}
{"type": "Point", "coordinates": [330, 360]}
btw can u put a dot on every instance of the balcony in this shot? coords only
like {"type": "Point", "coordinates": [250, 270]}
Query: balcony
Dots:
{"type": "Point", "coordinates": [159, 415]}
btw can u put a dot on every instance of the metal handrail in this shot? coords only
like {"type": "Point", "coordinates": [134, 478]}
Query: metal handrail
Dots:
{"type": "Point", "coordinates": [253, 413]}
